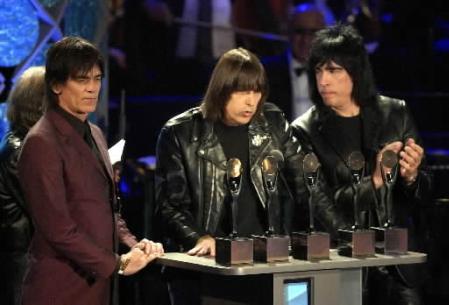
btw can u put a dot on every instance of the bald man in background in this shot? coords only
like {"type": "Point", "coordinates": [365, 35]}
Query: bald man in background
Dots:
{"type": "Point", "coordinates": [287, 80]}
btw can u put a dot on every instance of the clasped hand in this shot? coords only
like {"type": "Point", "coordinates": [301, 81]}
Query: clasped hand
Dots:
{"type": "Point", "coordinates": [141, 254]}
{"type": "Point", "coordinates": [410, 157]}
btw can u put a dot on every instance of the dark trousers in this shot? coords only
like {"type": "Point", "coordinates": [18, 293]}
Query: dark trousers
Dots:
{"type": "Point", "coordinates": [184, 287]}
{"type": "Point", "coordinates": [384, 286]}
{"type": "Point", "coordinates": [12, 271]}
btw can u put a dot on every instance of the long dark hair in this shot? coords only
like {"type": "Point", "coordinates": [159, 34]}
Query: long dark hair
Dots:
{"type": "Point", "coordinates": [343, 45]}
{"type": "Point", "coordinates": [236, 70]}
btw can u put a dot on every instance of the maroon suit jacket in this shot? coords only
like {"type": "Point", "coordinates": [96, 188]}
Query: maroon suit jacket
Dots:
{"type": "Point", "coordinates": [72, 252]}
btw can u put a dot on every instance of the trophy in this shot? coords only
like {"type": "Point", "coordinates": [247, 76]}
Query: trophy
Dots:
{"type": "Point", "coordinates": [356, 242]}
{"type": "Point", "coordinates": [390, 240]}
{"type": "Point", "coordinates": [271, 247]}
{"type": "Point", "coordinates": [234, 250]}
{"type": "Point", "coordinates": [310, 245]}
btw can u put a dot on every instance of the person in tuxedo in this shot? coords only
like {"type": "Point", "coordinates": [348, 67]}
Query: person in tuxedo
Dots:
{"type": "Point", "coordinates": [286, 72]}
{"type": "Point", "coordinates": [25, 107]}
{"type": "Point", "coordinates": [66, 175]}
{"type": "Point", "coordinates": [350, 116]}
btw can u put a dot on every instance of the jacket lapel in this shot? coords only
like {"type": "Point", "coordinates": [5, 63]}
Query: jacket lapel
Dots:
{"type": "Point", "coordinates": [318, 138]}
{"type": "Point", "coordinates": [72, 139]}
{"type": "Point", "coordinates": [259, 144]}
{"type": "Point", "coordinates": [259, 140]}
{"type": "Point", "coordinates": [371, 132]}
{"type": "Point", "coordinates": [210, 147]}
{"type": "Point", "coordinates": [103, 152]}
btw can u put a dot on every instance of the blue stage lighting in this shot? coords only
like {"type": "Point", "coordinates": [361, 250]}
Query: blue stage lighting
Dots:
{"type": "Point", "coordinates": [19, 31]}
{"type": "Point", "coordinates": [49, 3]}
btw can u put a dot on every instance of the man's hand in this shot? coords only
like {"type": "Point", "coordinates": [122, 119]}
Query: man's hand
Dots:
{"type": "Point", "coordinates": [377, 175]}
{"type": "Point", "coordinates": [149, 247]}
{"type": "Point", "coordinates": [410, 159]}
{"type": "Point", "coordinates": [140, 255]}
{"type": "Point", "coordinates": [204, 246]}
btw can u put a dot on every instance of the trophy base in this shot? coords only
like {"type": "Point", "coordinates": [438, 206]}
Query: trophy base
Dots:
{"type": "Point", "coordinates": [272, 248]}
{"type": "Point", "coordinates": [391, 240]}
{"type": "Point", "coordinates": [233, 251]}
{"type": "Point", "coordinates": [312, 246]}
{"type": "Point", "coordinates": [356, 243]}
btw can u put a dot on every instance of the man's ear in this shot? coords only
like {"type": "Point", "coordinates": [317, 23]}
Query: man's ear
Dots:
{"type": "Point", "coordinates": [56, 89]}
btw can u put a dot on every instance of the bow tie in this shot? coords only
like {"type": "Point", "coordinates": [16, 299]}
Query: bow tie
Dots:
{"type": "Point", "coordinates": [299, 71]}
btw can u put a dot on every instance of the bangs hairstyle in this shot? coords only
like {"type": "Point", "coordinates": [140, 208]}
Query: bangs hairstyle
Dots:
{"type": "Point", "coordinates": [343, 45]}
{"type": "Point", "coordinates": [237, 70]}
{"type": "Point", "coordinates": [69, 58]}
{"type": "Point", "coordinates": [26, 101]}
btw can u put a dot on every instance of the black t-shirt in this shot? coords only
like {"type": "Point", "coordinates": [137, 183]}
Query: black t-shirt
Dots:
{"type": "Point", "coordinates": [345, 135]}
{"type": "Point", "coordinates": [250, 219]}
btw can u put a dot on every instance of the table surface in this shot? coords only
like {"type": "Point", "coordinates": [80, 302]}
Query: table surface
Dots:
{"type": "Point", "coordinates": [208, 264]}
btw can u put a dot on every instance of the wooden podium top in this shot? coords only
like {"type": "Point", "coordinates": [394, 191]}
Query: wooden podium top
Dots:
{"type": "Point", "coordinates": [208, 265]}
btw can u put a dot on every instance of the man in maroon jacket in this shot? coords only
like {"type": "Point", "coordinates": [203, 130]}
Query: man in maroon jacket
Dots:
{"type": "Point", "coordinates": [67, 179]}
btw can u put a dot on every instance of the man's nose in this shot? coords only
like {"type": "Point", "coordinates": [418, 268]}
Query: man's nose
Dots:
{"type": "Point", "coordinates": [323, 78]}
{"type": "Point", "coordinates": [252, 98]}
{"type": "Point", "coordinates": [93, 85]}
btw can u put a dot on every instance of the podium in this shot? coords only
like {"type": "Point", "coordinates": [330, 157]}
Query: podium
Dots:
{"type": "Point", "coordinates": [328, 282]}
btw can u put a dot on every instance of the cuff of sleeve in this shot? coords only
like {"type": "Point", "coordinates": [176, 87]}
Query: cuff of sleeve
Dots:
{"type": "Point", "coordinates": [412, 182]}
{"type": "Point", "coordinates": [118, 263]}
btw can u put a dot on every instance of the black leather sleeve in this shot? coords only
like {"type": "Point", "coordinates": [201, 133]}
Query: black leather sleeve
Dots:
{"type": "Point", "coordinates": [419, 192]}
{"type": "Point", "coordinates": [16, 228]}
{"type": "Point", "coordinates": [174, 202]}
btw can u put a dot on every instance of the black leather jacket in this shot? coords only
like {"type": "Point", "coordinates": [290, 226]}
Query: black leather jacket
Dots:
{"type": "Point", "coordinates": [386, 121]}
{"type": "Point", "coordinates": [15, 225]}
{"type": "Point", "coordinates": [191, 167]}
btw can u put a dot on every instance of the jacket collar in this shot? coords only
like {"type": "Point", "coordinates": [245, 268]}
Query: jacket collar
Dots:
{"type": "Point", "coordinates": [71, 138]}
{"type": "Point", "coordinates": [211, 149]}
{"type": "Point", "coordinates": [370, 115]}
{"type": "Point", "coordinates": [259, 140]}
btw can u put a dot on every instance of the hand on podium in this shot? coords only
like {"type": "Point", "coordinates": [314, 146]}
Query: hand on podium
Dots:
{"type": "Point", "coordinates": [204, 246]}
{"type": "Point", "coordinates": [136, 259]}
{"type": "Point", "coordinates": [149, 247]}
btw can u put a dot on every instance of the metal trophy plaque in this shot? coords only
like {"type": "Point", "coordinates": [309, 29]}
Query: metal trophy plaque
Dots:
{"type": "Point", "coordinates": [234, 250]}
{"type": "Point", "coordinates": [310, 245]}
{"type": "Point", "coordinates": [390, 240]}
{"type": "Point", "coordinates": [271, 247]}
{"type": "Point", "coordinates": [356, 242]}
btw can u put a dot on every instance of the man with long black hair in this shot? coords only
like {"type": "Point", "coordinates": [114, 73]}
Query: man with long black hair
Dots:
{"type": "Point", "coordinates": [349, 115]}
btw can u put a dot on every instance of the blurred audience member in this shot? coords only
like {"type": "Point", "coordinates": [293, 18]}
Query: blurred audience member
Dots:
{"type": "Point", "coordinates": [268, 16]}
{"type": "Point", "coordinates": [196, 39]}
{"type": "Point", "coordinates": [286, 72]}
{"type": "Point", "coordinates": [25, 107]}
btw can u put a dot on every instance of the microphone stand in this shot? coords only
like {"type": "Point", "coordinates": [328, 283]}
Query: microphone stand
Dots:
{"type": "Point", "coordinates": [270, 180]}
{"type": "Point", "coordinates": [234, 250]}
{"type": "Point", "coordinates": [391, 240]}
{"type": "Point", "coordinates": [356, 242]}
{"type": "Point", "coordinates": [235, 185]}
{"type": "Point", "coordinates": [311, 182]}
{"type": "Point", "coordinates": [270, 247]}
{"type": "Point", "coordinates": [311, 245]}
{"type": "Point", "coordinates": [389, 179]}
{"type": "Point", "coordinates": [356, 180]}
